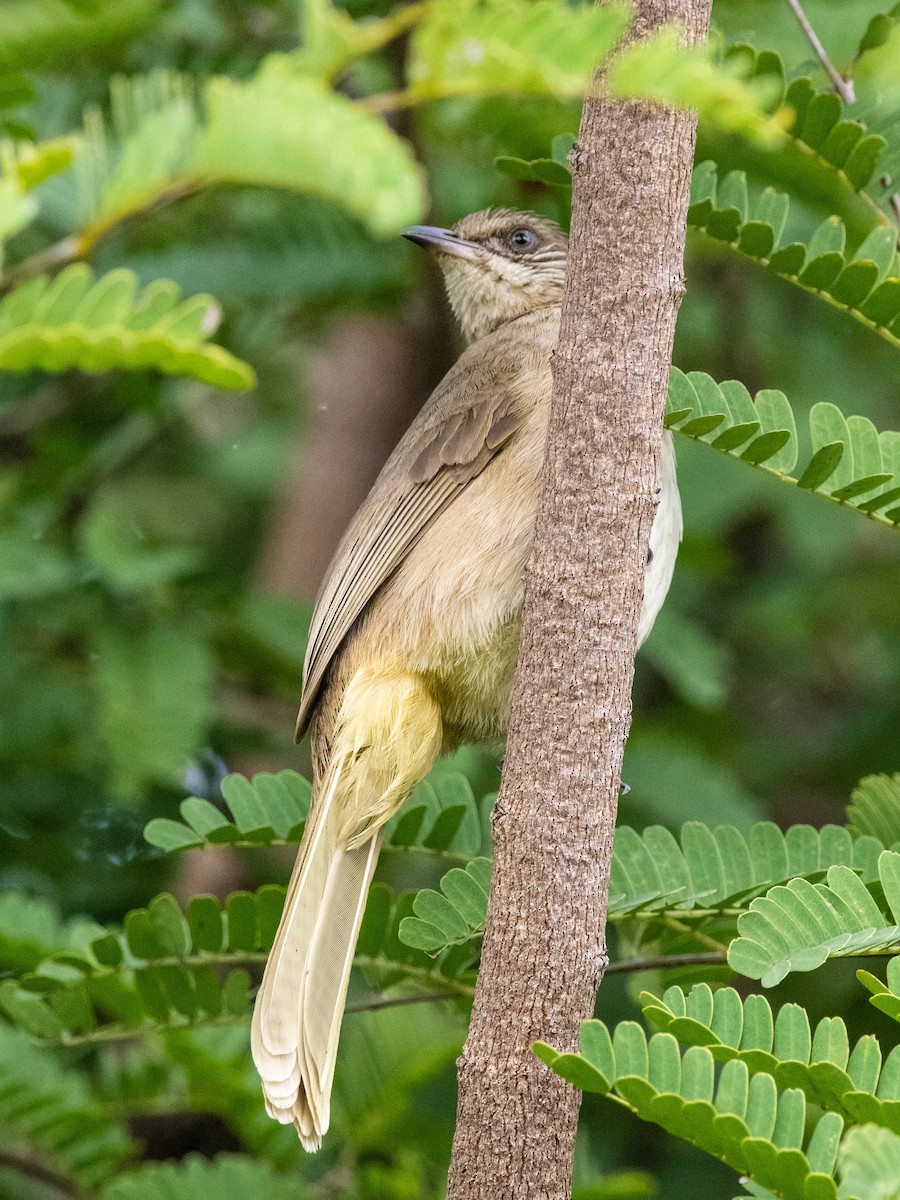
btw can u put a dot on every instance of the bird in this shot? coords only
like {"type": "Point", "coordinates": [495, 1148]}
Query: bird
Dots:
{"type": "Point", "coordinates": [415, 630]}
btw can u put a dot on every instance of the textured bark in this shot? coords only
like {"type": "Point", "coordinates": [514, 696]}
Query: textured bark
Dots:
{"type": "Point", "coordinates": [544, 947]}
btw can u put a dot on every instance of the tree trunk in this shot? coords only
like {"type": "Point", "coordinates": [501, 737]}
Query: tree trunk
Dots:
{"type": "Point", "coordinates": [544, 947]}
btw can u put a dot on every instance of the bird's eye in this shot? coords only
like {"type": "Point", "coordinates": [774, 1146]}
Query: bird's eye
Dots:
{"type": "Point", "coordinates": [522, 239]}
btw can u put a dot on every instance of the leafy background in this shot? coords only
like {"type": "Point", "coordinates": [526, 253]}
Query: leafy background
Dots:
{"type": "Point", "coordinates": [160, 538]}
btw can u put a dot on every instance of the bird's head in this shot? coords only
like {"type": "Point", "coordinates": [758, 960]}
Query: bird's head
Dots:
{"type": "Point", "coordinates": [498, 265]}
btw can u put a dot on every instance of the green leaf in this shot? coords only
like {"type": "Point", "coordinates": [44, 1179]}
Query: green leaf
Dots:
{"type": "Point", "coordinates": [880, 248]}
{"type": "Point", "coordinates": [863, 159]}
{"type": "Point", "coordinates": [743, 1121]}
{"type": "Point", "coordinates": [561, 147]}
{"type": "Point", "coordinates": [654, 876]}
{"type": "Point", "coordinates": [877, 32]}
{"type": "Point", "coordinates": [819, 1064]}
{"type": "Point", "coordinates": [280, 129]}
{"type": "Point", "coordinates": [452, 916]}
{"type": "Point", "coordinates": [485, 47]}
{"type": "Point", "coordinates": [171, 968]}
{"type": "Point", "coordinates": [849, 452]}
{"type": "Point", "coordinates": [660, 67]}
{"type": "Point", "coordinates": [885, 996]}
{"type": "Point", "coordinates": [798, 927]}
{"type": "Point", "coordinates": [38, 33]}
{"type": "Point", "coordinates": [100, 325]}
{"type": "Point", "coordinates": [821, 466]}
{"type": "Point", "coordinates": [875, 809]}
{"type": "Point", "coordinates": [293, 133]}
{"type": "Point", "coordinates": [442, 819]}
{"type": "Point", "coordinates": [753, 223]}
{"type": "Point", "coordinates": [537, 170]}
{"type": "Point", "coordinates": [515, 168]}
{"type": "Point", "coordinates": [869, 1164]}
{"type": "Point", "coordinates": [822, 114]}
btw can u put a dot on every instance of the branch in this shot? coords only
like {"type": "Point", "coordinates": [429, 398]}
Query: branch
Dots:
{"type": "Point", "coordinates": [33, 1168]}
{"type": "Point", "coordinates": [665, 962]}
{"type": "Point", "coordinates": [60, 254]}
{"type": "Point", "coordinates": [377, 1003]}
{"type": "Point", "coordinates": [843, 87]}
{"type": "Point", "coordinates": [554, 820]}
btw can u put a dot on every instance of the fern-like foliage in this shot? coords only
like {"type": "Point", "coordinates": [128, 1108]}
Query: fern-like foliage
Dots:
{"type": "Point", "coordinates": [742, 1119]}
{"type": "Point", "coordinates": [280, 129]}
{"type": "Point", "coordinates": [484, 47]}
{"type": "Point", "coordinates": [196, 1178]}
{"type": "Point", "coordinates": [170, 966]}
{"type": "Point", "coordinates": [454, 915]}
{"type": "Point", "coordinates": [829, 155]}
{"type": "Point", "coordinates": [79, 321]}
{"type": "Point", "coordinates": [857, 1084]}
{"type": "Point", "coordinates": [798, 926]}
{"type": "Point", "coordinates": [851, 462]}
{"type": "Point", "coordinates": [50, 1113]}
{"type": "Point", "coordinates": [865, 284]}
{"type": "Point", "coordinates": [163, 968]}
{"type": "Point", "coordinates": [709, 874]}
{"type": "Point", "coordinates": [820, 121]}
{"type": "Point", "coordinates": [267, 810]}
{"type": "Point", "coordinates": [286, 128]}
{"type": "Point", "coordinates": [443, 818]}
{"type": "Point", "coordinates": [885, 996]}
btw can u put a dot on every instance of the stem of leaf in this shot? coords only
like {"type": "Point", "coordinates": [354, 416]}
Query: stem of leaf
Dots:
{"type": "Point", "coordinates": [679, 926]}
{"type": "Point", "coordinates": [664, 962]}
{"type": "Point", "coordinates": [33, 1168]}
{"type": "Point", "coordinates": [843, 87]}
{"type": "Point", "coordinates": [60, 254]}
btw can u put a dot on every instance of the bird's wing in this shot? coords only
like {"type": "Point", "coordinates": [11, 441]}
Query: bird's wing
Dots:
{"type": "Point", "coordinates": [470, 417]}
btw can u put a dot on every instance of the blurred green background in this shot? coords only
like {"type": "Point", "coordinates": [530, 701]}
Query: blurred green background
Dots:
{"type": "Point", "coordinates": [160, 542]}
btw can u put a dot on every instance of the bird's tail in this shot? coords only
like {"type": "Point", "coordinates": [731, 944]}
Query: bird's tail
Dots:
{"type": "Point", "coordinates": [386, 736]}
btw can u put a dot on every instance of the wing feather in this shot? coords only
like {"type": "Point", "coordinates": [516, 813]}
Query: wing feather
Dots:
{"type": "Point", "coordinates": [469, 418]}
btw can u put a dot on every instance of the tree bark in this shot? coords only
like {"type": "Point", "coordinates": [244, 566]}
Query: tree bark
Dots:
{"type": "Point", "coordinates": [544, 946]}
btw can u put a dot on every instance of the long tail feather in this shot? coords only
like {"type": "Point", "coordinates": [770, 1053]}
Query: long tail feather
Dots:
{"type": "Point", "coordinates": [387, 735]}
{"type": "Point", "coordinates": [297, 1018]}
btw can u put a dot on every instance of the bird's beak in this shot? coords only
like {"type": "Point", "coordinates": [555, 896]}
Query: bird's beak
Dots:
{"type": "Point", "coordinates": [443, 241]}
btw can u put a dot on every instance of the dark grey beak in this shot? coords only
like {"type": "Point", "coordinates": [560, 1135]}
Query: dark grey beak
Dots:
{"type": "Point", "coordinates": [444, 241]}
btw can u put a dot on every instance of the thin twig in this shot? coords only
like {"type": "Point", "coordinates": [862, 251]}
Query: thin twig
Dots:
{"type": "Point", "coordinates": [33, 1168]}
{"type": "Point", "coordinates": [377, 1003]}
{"type": "Point", "coordinates": [663, 962]}
{"type": "Point", "coordinates": [79, 245]}
{"type": "Point", "coordinates": [716, 946]}
{"type": "Point", "coordinates": [60, 254]}
{"type": "Point", "coordinates": [843, 87]}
